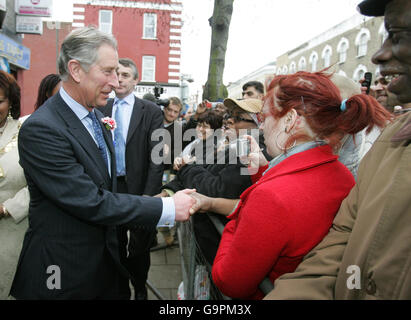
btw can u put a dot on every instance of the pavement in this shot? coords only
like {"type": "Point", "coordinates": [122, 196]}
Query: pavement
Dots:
{"type": "Point", "coordinates": [165, 270]}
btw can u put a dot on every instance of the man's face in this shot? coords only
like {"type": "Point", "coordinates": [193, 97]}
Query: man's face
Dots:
{"type": "Point", "coordinates": [394, 57]}
{"type": "Point", "coordinates": [386, 98]}
{"type": "Point", "coordinates": [126, 81]}
{"type": "Point", "coordinates": [252, 93]}
{"type": "Point", "coordinates": [171, 113]}
{"type": "Point", "coordinates": [101, 78]}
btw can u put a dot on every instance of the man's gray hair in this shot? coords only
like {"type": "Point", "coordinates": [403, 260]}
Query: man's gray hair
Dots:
{"type": "Point", "coordinates": [82, 45]}
{"type": "Point", "coordinates": [128, 63]}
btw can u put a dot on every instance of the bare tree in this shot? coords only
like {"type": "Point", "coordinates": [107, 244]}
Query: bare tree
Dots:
{"type": "Point", "coordinates": [220, 25]}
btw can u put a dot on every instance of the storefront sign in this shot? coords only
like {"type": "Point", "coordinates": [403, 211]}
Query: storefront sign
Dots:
{"type": "Point", "coordinates": [40, 8]}
{"type": "Point", "coordinates": [25, 24]}
{"type": "Point", "coordinates": [15, 53]}
{"type": "Point", "coordinates": [4, 64]}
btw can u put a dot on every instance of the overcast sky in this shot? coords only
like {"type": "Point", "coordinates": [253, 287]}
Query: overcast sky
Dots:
{"type": "Point", "coordinates": [260, 31]}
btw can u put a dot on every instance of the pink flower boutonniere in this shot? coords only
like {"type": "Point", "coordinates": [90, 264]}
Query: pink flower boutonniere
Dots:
{"type": "Point", "coordinates": [109, 123]}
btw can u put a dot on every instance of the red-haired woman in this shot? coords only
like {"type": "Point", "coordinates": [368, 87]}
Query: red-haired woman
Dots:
{"type": "Point", "coordinates": [280, 218]}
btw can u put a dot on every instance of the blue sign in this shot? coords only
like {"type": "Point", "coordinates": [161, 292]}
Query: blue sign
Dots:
{"type": "Point", "coordinates": [14, 52]}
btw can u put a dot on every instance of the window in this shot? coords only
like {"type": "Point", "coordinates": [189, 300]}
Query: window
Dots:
{"type": "Point", "coordinates": [302, 64]}
{"type": "Point", "coordinates": [342, 49]}
{"type": "Point", "coordinates": [326, 55]}
{"type": "Point", "coordinates": [313, 60]}
{"type": "Point", "coordinates": [284, 70]}
{"type": "Point", "coordinates": [149, 69]}
{"type": "Point", "coordinates": [362, 47]}
{"type": "Point", "coordinates": [150, 26]}
{"type": "Point", "coordinates": [105, 21]}
{"type": "Point", "coordinates": [293, 67]}
{"type": "Point", "coordinates": [361, 41]}
{"type": "Point", "coordinates": [359, 72]}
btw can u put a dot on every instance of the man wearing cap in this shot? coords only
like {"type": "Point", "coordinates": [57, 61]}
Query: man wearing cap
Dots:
{"type": "Point", "coordinates": [366, 254]}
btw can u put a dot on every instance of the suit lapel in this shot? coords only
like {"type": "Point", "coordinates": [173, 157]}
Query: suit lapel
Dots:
{"type": "Point", "coordinates": [136, 116]}
{"type": "Point", "coordinates": [77, 129]}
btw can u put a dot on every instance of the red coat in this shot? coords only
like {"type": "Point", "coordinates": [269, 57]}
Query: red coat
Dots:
{"type": "Point", "coordinates": [279, 220]}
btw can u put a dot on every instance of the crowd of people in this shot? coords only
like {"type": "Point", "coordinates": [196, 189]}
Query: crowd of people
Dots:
{"type": "Point", "coordinates": [309, 175]}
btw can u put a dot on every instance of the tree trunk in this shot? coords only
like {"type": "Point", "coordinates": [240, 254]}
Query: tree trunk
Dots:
{"type": "Point", "coordinates": [214, 88]}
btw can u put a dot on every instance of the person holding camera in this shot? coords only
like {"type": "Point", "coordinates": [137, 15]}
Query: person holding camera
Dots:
{"type": "Point", "coordinates": [227, 178]}
{"type": "Point", "coordinates": [291, 206]}
{"type": "Point", "coordinates": [137, 173]}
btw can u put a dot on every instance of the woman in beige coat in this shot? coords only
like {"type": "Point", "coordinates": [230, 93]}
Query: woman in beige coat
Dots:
{"type": "Point", "coordinates": [14, 196]}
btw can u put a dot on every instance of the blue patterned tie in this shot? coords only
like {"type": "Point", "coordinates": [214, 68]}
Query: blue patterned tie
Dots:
{"type": "Point", "coordinates": [119, 143]}
{"type": "Point", "coordinates": [98, 135]}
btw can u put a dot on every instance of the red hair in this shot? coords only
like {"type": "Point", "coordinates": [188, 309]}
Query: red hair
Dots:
{"type": "Point", "coordinates": [315, 96]}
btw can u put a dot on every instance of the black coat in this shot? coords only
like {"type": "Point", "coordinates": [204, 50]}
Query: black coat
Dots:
{"type": "Point", "coordinates": [217, 181]}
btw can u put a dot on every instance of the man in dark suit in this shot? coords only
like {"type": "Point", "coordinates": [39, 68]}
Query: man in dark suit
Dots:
{"type": "Point", "coordinates": [137, 172]}
{"type": "Point", "coordinates": [70, 250]}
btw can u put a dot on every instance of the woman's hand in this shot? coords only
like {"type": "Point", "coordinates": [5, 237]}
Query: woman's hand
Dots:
{"type": "Point", "coordinates": [203, 203]}
{"type": "Point", "coordinates": [179, 162]}
{"type": "Point", "coordinates": [163, 193]}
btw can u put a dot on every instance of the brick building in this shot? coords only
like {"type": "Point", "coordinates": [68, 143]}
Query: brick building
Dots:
{"type": "Point", "coordinates": [147, 31]}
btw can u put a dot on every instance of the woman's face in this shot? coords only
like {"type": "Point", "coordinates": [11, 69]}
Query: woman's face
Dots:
{"type": "Point", "coordinates": [204, 131]}
{"type": "Point", "coordinates": [4, 108]}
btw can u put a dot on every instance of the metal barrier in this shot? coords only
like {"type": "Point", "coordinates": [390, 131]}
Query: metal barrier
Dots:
{"type": "Point", "coordinates": [195, 269]}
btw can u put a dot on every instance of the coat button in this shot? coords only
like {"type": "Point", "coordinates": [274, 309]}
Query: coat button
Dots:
{"type": "Point", "coordinates": [371, 287]}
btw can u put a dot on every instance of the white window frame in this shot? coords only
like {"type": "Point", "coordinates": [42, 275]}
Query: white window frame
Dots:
{"type": "Point", "coordinates": [104, 26]}
{"type": "Point", "coordinates": [151, 69]}
{"type": "Point", "coordinates": [327, 57]}
{"type": "Point", "coordinates": [313, 61]}
{"type": "Point", "coordinates": [147, 27]}
{"type": "Point", "coordinates": [356, 74]}
{"type": "Point", "coordinates": [361, 41]}
{"type": "Point", "coordinates": [293, 67]}
{"type": "Point", "coordinates": [342, 49]}
{"type": "Point", "coordinates": [302, 64]}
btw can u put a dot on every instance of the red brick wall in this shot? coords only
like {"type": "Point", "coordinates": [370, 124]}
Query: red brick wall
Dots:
{"type": "Point", "coordinates": [127, 28]}
{"type": "Point", "coordinates": [42, 62]}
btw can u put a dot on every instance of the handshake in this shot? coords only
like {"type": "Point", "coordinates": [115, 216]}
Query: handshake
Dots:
{"type": "Point", "coordinates": [187, 202]}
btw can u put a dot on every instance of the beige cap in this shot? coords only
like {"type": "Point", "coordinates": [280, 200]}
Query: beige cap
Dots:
{"type": "Point", "coordinates": [249, 105]}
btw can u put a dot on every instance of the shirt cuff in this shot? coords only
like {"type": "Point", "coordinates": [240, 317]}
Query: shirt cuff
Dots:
{"type": "Point", "coordinates": [168, 215]}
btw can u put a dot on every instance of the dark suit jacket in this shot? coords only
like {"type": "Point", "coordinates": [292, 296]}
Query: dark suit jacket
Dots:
{"type": "Point", "coordinates": [73, 213]}
{"type": "Point", "coordinates": [143, 176]}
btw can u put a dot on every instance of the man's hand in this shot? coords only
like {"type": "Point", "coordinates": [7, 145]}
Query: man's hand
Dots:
{"type": "Point", "coordinates": [183, 203]}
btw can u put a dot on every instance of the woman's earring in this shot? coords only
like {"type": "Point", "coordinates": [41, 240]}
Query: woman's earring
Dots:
{"type": "Point", "coordinates": [9, 115]}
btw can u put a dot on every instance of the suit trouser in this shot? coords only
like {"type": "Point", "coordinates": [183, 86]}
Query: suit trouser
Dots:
{"type": "Point", "coordinates": [137, 259]}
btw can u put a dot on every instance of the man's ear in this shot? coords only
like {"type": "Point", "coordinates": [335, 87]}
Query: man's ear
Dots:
{"type": "Point", "coordinates": [75, 70]}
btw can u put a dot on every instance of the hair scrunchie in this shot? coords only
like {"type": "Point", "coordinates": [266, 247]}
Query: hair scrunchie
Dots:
{"type": "Point", "coordinates": [343, 106]}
